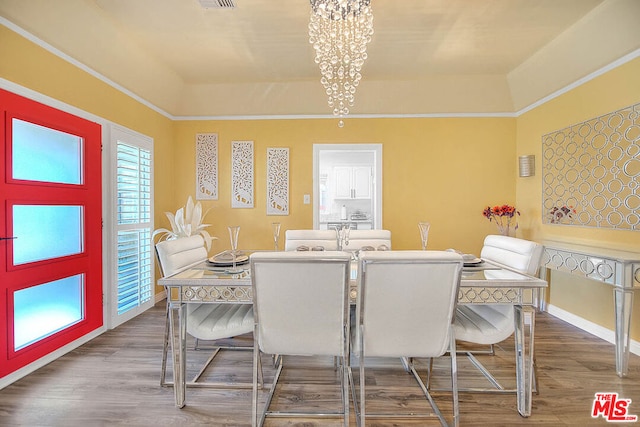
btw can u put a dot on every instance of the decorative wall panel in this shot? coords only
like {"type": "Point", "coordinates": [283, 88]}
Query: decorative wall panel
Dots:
{"type": "Point", "coordinates": [207, 166]}
{"type": "Point", "coordinates": [591, 172]}
{"type": "Point", "coordinates": [277, 181]}
{"type": "Point", "coordinates": [242, 174]}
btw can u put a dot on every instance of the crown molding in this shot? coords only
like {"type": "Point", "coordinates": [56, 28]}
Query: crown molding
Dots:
{"type": "Point", "coordinates": [617, 63]}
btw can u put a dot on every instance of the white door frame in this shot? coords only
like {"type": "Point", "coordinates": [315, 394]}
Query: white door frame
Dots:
{"type": "Point", "coordinates": [114, 134]}
{"type": "Point", "coordinates": [377, 178]}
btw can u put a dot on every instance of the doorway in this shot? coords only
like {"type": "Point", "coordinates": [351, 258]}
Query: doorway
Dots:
{"type": "Point", "coordinates": [347, 186]}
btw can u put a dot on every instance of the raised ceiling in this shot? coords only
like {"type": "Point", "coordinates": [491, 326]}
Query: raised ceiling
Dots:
{"type": "Point", "coordinates": [426, 56]}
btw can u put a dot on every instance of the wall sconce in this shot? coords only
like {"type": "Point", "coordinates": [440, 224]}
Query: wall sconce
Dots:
{"type": "Point", "coordinates": [527, 165]}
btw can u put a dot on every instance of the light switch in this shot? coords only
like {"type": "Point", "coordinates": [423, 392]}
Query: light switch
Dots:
{"type": "Point", "coordinates": [307, 199]}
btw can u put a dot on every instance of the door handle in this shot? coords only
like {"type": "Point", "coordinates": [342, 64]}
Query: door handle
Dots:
{"type": "Point", "coordinates": [7, 238]}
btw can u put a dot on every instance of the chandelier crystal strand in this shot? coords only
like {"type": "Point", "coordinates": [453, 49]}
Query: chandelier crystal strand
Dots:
{"type": "Point", "coordinates": [339, 31]}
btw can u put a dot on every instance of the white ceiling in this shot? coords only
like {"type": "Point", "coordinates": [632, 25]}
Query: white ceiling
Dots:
{"type": "Point", "coordinates": [176, 54]}
{"type": "Point", "coordinates": [268, 40]}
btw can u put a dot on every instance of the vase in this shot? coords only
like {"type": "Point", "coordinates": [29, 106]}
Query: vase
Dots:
{"type": "Point", "coordinates": [557, 217]}
{"type": "Point", "coordinates": [504, 229]}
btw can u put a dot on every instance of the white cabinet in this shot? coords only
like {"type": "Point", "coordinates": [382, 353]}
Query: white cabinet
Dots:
{"type": "Point", "coordinates": [343, 177]}
{"type": "Point", "coordinates": [353, 182]}
{"type": "Point", "coordinates": [362, 182]}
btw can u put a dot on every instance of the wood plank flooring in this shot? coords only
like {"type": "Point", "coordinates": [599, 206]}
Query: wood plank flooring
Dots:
{"type": "Point", "coordinates": [114, 380]}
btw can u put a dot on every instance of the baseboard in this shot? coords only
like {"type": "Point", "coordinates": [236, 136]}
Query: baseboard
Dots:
{"type": "Point", "coordinates": [23, 372]}
{"type": "Point", "coordinates": [160, 296]}
{"type": "Point", "coordinates": [590, 327]}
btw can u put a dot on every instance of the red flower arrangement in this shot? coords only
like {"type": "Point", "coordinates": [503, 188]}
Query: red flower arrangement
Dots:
{"type": "Point", "coordinates": [558, 214]}
{"type": "Point", "coordinates": [503, 217]}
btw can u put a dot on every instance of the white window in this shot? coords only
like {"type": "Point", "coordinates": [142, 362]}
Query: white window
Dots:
{"type": "Point", "coordinates": [131, 283]}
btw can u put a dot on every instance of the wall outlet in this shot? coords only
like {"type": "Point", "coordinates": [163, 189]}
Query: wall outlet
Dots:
{"type": "Point", "coordinates": [307, 199]}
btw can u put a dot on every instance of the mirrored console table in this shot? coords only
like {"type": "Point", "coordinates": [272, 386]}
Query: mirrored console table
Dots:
{"type": "Point", "coordinates": [619, 269]}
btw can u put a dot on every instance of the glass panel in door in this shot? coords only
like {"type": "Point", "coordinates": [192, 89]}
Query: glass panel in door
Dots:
{"type": "Point", "coordinates": [46, 232]}
{"type": "Point", "coordinates": [42, 310]}
{"type": "Point", "coordinates": [47, 155]}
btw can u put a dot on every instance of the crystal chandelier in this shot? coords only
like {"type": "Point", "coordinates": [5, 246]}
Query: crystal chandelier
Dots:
{"type": "Point", "coordinates": [339, 31]}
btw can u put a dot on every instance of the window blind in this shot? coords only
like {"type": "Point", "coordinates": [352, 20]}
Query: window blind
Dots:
{"type": "Point", "coordinates": [134, 275]}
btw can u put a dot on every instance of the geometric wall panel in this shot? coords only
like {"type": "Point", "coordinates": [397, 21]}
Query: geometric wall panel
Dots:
{"type": "Point", "coordinates": [591, 172]}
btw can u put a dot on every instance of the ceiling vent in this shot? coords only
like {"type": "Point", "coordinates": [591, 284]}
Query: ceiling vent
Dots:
{"type": "Point", "coordinates": [218, 4]}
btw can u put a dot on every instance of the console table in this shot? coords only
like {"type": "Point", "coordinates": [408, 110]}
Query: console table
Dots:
{"type": "Point", "coordinates": [620, 269]}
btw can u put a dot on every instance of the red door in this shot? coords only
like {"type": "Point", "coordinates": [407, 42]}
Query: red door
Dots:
{"type": "Point", "coordinates": [50, 230]}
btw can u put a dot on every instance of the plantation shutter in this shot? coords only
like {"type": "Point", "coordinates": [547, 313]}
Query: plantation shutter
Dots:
{"type": "Point", "coordinates": [133, 226]}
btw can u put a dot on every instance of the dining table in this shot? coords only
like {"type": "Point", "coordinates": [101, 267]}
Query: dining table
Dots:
{"type": "Point", "coordinates": [481, 283]}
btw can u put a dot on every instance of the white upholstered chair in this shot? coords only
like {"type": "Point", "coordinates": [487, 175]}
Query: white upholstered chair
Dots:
{"type": "Point", "coordinates": [208, 322]}
{"type": "Point", "coordinates": [309, 239]}
{"type": "Point", "coordinates": [301, 308]}
{"type": "Point", "coordinates": [376, 239]}
{"type": "Point", "coordinates": [405, 307]}
{"type": "Point", "coordinates": [492, 323]}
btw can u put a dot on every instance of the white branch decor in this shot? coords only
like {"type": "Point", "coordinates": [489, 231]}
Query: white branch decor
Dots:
{"type": "Point", "coordinates": [277, 181]}
{"type": "Point", "coordinates": [207, 166]}
{"type": "Point", "coordinates": [187, 221]}
{"type": "Point", "coordinates": [242, 174]}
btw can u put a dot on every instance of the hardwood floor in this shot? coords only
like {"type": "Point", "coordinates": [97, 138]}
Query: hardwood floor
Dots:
{"type": "Point", "coordinates": [114, 380]}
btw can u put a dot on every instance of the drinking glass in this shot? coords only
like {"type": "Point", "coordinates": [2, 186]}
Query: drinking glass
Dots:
{"type": "Point", "coordinates": [424, 233]}
{"type": "Point", "coordinates": [346, 229]}
{"type": "Point", "coordinates": [233, 237]}
{"type": "Point", "coordinates": [275, 226]}
{"type": "Point", "coordinates": [338, 237]}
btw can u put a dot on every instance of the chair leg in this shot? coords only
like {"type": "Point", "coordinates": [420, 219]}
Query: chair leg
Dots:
{"type": "Point", "coordinates": [206, 365]}
{"type": "Point", "coordinates": [454, 380]}
{"type": "Point", "coordinates": [433, 404]}
{"type": "Point", "coordinates": [254, 392]}
{"type": "Point", "coordinates": [429, 372]}
{"type": "Point", "coordinates": [362, 389]}
{"type": "Point", "coordinates": [498, 388]}
{"type": "Point", "coordinates": [345, 389]}
{"type": "Point", "coordinates": [484, 371]}
{"type": "Point", "coordinates": [535, 376]}
{"type": "Point", "coordinates": [260, 372]}
{"type": "Point", "coordinates": [165, 349]}
{"type": "Point", "coordinates": [406, 362]}
{"type": "Point", "coordinates": [258, 378]}
{"type": "Point", "coordinates": [354, 395]}
{"type": "Point", "coordinates": [275, 360]}
{"type": "Point", "coordinates": [267, 404]}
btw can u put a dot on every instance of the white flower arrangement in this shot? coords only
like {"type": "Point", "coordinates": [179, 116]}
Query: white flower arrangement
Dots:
{"type": "Point", "coordinates": [186, 222]}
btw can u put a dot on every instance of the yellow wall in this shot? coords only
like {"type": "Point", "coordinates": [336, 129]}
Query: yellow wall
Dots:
{"type": "Point", "coordinates": [28, 65]}
{"type": "Point", "coordinates": [614, 90]}
{"type": "Point", "coordinates": [442, 170]}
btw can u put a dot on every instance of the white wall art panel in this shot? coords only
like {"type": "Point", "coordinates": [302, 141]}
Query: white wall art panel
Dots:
{"type": "Point", "coordinates": [242, 174]}
{"type": "Point", "coordinates": [207, 166]}
{"type": "Point", "coordinates": [277, 181]}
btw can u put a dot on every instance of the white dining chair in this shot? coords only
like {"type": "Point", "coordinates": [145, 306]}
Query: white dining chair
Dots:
{"type": "Point", "coordinates": [207, 322]}
{"type": "Point", "coordinates": [405, 306]}
{"type": "Point", "coordinates": [368, 239]}
{"type": "Point", "coordinates": [301, 308]}
{"type": "Point", "coordinates": [489, 324]}
{"type": "Point", "coordinates": [310, 239]}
